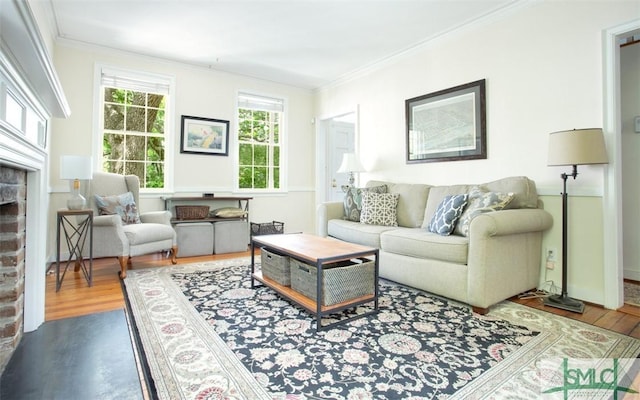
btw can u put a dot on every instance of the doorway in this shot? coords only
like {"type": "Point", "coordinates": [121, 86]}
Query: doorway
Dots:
{"type": "Point", "coordinates": [630, 151]}
{"type": "Point", "coordinates": [336, 135]}
{"type": "Point", "coordinates": [613, 185]}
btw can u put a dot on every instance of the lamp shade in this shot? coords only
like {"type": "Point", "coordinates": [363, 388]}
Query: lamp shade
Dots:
{"type": "Point", "coordinates": [577, 147]}
{"type": "Point", "coordinates": [350, 163]}
{"type": "Point", "coordinates": [75, 167]}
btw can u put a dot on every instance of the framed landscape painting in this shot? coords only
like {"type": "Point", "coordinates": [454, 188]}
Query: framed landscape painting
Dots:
{"type": "Point", "coordinates": [204, 136]}
{"type": "Point", "coordinates": [447, 125]}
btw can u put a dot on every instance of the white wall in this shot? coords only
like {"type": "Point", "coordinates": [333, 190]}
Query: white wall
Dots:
{"type": "Point", "coordinates": [199, 92]}
{"type": "Point", "coordinates": [630, 100]}
{"type": "Point", "coordinates": [543, 69]}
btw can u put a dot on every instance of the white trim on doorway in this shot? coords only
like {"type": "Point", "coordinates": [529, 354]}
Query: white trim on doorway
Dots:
{"type": "Point", "coordinates": [612, 200]}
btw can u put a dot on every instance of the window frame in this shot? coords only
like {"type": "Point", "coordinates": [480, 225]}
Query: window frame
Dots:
{"type": "Point", "coordinates": [283, 137]}
{"type": "Point", "coordinates": [170, 130]}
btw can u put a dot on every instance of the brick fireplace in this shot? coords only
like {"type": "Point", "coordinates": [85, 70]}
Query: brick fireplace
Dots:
{"type": "Point", "coordinates": [31, 96]}
{"type": "Point", "coordinates": [13, 184]}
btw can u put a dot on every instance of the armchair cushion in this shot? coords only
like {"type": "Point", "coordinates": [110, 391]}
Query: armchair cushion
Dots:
{"type": "Point", "coordinates": [148, 233]}
{"type": "Point", "coordinates": [123, 205]}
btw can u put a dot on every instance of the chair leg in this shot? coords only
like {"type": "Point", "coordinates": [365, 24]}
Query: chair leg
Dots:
{"type": "Point", "coordinates": [123, 260]}
{"type": "Point", "coordinates": [174, 255]}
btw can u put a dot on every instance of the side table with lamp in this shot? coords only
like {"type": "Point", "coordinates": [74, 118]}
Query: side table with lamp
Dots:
{"type": "Point", "coordinates": [75, 224]}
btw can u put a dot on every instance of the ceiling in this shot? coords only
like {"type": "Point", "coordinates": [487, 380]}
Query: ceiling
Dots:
{"type": "Point", "coordinates": [304, 43]}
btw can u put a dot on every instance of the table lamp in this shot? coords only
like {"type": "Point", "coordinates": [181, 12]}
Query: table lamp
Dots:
{"type": "Point", "coordinates": [350, 164]}
{"type": "Point", "coordinates": [574, 147]}
{"type": "Point", "coordinates": [73, 169]}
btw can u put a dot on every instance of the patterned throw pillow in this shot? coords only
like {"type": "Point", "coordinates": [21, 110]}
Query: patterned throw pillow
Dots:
{"type": "Point", "coordinates": [379, 208]}
{"type": "Point", "coordinates": [123, 205]}
{"type": "Point", "coordinates": [481, 202]}
{"type": "Point", "coordinates": [449, 210]}
{"type": "Point", "coordinates": [353, 201]}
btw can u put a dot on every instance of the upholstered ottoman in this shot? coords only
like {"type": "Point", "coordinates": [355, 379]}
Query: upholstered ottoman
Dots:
{"type": "Point", "coordinates": [194, 239]}
{"type": "Point", "coordinates": [230, 236]}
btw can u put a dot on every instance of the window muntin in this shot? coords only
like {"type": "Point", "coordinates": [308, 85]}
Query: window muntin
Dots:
{"type": "Point", "coordinates": [260, 128]}
{"type": "Point", "coordinates": [134, 127]}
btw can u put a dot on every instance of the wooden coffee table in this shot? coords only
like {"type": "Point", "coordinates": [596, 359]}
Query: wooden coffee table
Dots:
{"type": "Point", "coordinates": [318, 251]}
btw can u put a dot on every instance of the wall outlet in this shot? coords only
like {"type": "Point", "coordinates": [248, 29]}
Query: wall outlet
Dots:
{"type": "Point", "coordinates": [551, 254]}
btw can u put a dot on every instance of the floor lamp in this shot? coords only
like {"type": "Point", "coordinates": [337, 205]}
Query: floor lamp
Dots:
{"type": "Point", "coordinates": [575, 147]}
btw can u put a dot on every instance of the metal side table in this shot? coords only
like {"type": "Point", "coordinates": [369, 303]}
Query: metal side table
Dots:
{"type": "Point", "coordinates": [76, 226]}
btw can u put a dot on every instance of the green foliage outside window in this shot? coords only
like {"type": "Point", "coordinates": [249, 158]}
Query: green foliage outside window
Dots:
{"type": "Point", "coordinates": [133, 136]}
{"type": "Point", "coordinates": [259, 149]}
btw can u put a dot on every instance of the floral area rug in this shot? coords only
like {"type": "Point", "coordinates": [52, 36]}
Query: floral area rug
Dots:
{"type": "Point", "coordinates": [632, 293]}
{"type": "Point", "coordinates": [206, 334]}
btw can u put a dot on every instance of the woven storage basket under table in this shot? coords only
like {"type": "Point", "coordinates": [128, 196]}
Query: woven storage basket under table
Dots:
{"type": "Point", "coordinates": [192, 212]}
{"type": "Point", "coordinates": [267, 228]}
{"type": "Point", "coordinates": [342, 281]}
{"type": "Point", "coordinates": [276, 267]}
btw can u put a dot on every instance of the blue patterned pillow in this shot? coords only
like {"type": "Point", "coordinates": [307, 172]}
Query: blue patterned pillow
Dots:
{"type": "Point", "coordinates": [124, 205]}
{"type": "Point", "coordinates": [450, 209]}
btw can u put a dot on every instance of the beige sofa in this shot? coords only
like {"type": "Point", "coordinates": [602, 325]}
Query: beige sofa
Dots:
{"type": "Point", "coordinates": [500, 257]}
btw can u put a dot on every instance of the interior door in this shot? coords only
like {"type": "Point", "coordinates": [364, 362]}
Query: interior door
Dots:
{"type": "Point", "coordinates": [341, 140]}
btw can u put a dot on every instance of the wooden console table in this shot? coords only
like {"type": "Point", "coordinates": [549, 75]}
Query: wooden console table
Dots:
{"type": "Point", "coordinates": [241, 201]}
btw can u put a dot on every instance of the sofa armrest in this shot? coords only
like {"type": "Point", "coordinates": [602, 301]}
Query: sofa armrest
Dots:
{"type": "Point", "coordinates": [157, 217]}
{"type": "Point", "coordinates": [328, 211]}
{"type": "Point", "coordinates": [508, 222]}
{"type": "Point", "coordinates": [505, 252]}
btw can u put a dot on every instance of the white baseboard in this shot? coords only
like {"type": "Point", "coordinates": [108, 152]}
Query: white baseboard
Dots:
{"type": "Point", "coordinates": [632, 274]}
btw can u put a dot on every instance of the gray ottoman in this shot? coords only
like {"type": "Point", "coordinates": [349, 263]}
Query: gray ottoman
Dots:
{"type": "Point", "coordinates": [194, 239]}
{"type": "Point", "coordinates": [230, 236]}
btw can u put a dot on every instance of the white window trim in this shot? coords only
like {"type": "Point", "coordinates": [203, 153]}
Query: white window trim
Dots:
{"type": "Point", "coordinates": [284, 140]}
{"type": "Point", "coordinates": [170, 132]}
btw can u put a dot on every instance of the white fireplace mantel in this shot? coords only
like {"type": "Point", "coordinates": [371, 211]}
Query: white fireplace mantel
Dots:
{"type": "Point", "coordinates": [30, 95]}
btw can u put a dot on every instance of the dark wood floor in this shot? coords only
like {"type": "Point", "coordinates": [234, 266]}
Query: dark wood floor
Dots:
{"type": "Point", "coordinates": [76, 298]}
{"type": "Point", "coordinates": [84, 357]}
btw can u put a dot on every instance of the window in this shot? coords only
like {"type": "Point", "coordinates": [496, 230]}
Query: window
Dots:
{"type": "Point", "coordinates": [135, 128]}
{"type": "Point", "coordinates": [260, 142]}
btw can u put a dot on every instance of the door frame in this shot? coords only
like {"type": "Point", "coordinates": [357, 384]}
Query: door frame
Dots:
{"type": "Point", "coordinates": [322, 148]}
{"type": "Point", "coordinates": [612, 197]}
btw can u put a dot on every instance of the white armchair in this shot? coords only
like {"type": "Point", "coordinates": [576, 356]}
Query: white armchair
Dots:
{"type": "Point", "coordinates": [114, 238]}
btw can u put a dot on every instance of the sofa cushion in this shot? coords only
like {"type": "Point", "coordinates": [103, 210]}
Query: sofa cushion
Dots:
{"type": "Point", "coordinates": [353, 201]}
{"type": "Point", "coordinates": [436, 195]}
{"type": "Point", "coordinates": [417, 242]}
{"type": "Point", "coordinates": [379, 208]}
{"type": "Point", "coordinates": [448, 212]}
{"type": "Point", "coordinates": [356, 232]}
{"type": "Point", "coordinates": [523, 189]}
{"type": "Point", "coordinates": [411, 203]}
{"type": "Point", "coordinates": [480, 202]}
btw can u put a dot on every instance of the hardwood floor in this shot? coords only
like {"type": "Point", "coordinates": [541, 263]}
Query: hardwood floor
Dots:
{"type": "Point", "coordinates": [76, 298]}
